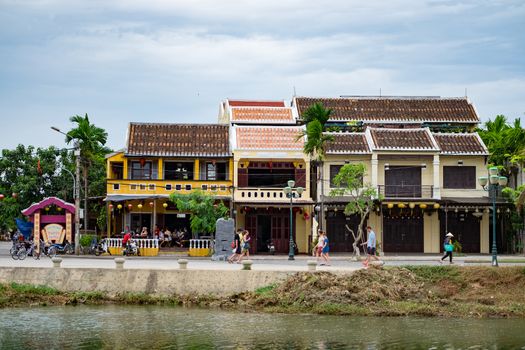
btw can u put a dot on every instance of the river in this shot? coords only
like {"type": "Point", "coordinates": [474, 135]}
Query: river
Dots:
{"type": "Point", "coordinates": [155, 327]}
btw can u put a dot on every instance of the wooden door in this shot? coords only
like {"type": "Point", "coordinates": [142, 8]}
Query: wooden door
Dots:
{"type": "Point", "coordinates": [281, 233]}
{"type": "Point", "coordinates": [403, 235]}
{"type": "Point", "coordinates": [340, 238]}
{"type": "Point", "coordinates": [403, 182]}
{"type": "Point", "coordinates": [251, 226]}
{"type": "Point", "coordinates": [464, 226]}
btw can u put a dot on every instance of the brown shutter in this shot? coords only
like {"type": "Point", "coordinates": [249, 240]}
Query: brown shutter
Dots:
{"type": "Point", "coordinates": [300, 177]}
{"type": "Point", "coordinates": [242, 177]}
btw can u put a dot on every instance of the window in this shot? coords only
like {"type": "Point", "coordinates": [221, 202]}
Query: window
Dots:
{"type": "Point", "coordinates": [118, 171]}
{"type": "Point", "coordinates": [334, 170]}
{"type": "Point", "coordinates": [460, 177]}
{"type": "Point", "coordinates": [223, 188]}
{"type": "Point", "coordinates": [116, 187]}
{"type": "Point", "coordinates": [178, 187]}
{"type": "Point", "coordinates": [142, 187]}
{"type": "Point", "coordinates": [178, 170]}
{"type": "Point", "coordinates": [133, 187]}
{"type": "Point", "coordinates": [141, 170]}
{"type": "Point", "coordinates": [188, 187]}
{"type": "Point", "coordinates": [214, 187]}
{"type": "Point", "coordinates": [151, 187]}
{"type": "Point", "coordinates": [204, 187]}
{"type": "Point", "coordinates": [168, 187]}
{"type": "Point", "coordinates": [214, 171]}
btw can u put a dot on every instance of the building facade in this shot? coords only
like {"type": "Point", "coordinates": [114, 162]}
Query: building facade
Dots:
{"type": "Point", "coordinates": [423, 158]}
{"type": "Point", "coordinates": [160, 159]}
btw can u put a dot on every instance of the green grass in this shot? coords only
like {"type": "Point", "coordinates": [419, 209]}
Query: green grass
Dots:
{"type": "Point", "coordinates": [265, 290]}
{"type": "Point", "coordinates": [434, 273]}
{"type": "Point", "coordinates": [35, 290]}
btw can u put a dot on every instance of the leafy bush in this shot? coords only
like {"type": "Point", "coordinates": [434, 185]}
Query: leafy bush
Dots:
{"type": "Point", "coordinates": [85, 240]}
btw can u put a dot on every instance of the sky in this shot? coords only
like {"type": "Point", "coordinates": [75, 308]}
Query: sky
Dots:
{"type": "Point", "coordinates": [175, 61]}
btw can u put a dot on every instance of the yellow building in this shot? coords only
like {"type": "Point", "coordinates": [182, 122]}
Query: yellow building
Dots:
{"type": "Point", "coordinates": [160, 159]}
{"type": "Point", "coordinates": [423, 158]}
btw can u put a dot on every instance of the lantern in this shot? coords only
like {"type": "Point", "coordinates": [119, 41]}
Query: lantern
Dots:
{"type": "Point", "coordinates": [436, 206]}
{"type": "Point", "coordinates": [130, 206]}
{"type": "Point", "coordinates": [47, 208]}
{"type": "Point", "coordinates": [412, 205]}
{"type": "Point", "coordinates": [401, 205]}
{"type": "Point", "coordinates": [59, 209]}
{"type": "Point", "coordinates": [110, 206]}
{"type": "Point", "coordinates": [1, 197]}
{"type": "Point", "coordinates": [390, 205]}
{"type": "Point", "coordinates": [423, 206]}
{"type": "Point", "coordinates": [165, 205]}
{"type": "Point", "coordinates": [151, 204]}
{"type": "Point", "coordinates": [119, 206]}
{"type": "Point", "coordinates": [139, 206]}
{"type": "Point", "coordinates": [15, 195]}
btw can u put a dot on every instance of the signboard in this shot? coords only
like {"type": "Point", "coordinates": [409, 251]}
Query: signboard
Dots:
{"type": "Point", "coordinates": [53, 233]}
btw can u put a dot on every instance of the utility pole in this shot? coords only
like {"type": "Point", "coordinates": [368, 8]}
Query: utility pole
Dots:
{"type": "Point", "coordinates": [77, 199]}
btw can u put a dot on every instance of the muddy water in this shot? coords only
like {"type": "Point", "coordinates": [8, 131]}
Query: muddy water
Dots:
{"type": "Point", "coordinates": [144, 327]}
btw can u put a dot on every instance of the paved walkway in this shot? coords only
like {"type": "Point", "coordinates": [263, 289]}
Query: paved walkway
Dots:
{"type": "Point", "coordinates": [340, 262]}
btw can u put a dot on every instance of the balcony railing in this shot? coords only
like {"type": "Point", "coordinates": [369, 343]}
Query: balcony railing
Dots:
{"type": "Point", "coordinates": [263, 194]}
{"type": "Point", "coordinates": [406, 191]}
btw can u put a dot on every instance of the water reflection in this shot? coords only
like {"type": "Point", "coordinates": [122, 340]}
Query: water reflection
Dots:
{"type": "Point", "coordinates": [133, 327]}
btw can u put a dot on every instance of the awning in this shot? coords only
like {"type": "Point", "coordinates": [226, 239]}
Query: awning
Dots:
{"type": "Point", "coordinates": [484, 201]}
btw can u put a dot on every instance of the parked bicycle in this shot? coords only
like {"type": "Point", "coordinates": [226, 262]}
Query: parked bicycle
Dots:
{"type": "Point", "coordinates": [100, 247]}
{"type": "Point", "coordinates": [18, 251]}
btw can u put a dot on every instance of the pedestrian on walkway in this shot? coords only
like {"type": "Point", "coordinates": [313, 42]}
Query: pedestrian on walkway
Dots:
{"type": "Point", "coordinates": [325, 250]}
{"type": "Point", "coordinates": [370, 246]}
{"type": "Point", "coordinates": [318, 251]}
{"type": "Point", "coordinates": [245, 245]}
{"type": "Point", "coordinates": [447, 247]}
{"type": "Point", "coordinates": [236, 247]}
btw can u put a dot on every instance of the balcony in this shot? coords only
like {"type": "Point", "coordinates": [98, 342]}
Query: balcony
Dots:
{"type": "Point", "coordinates": [406, 191]}
{"type": "Point", "coordinates": [166, 187]}
{"type": "Point", "coordinates": [270, 194]}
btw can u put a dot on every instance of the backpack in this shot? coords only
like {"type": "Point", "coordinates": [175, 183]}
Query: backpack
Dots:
{"type": "Point", "coordinates": [233, 245]}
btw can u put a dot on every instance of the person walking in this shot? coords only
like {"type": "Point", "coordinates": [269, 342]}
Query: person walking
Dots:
{"type": "Point", "coordinates": [236, 246]}
{"type": "Point", "coordinates": [370, 246]}
{"type": "Point", "coordinates": [325, 250]}
{"type": "Point", "coordinates": [245, 246]}
{"type": "Point", "coordinates": [320, 244]}
{"type": "Point", "coordinates": [447, 247]}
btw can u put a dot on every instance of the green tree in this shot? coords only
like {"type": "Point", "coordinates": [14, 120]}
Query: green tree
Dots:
{"type": "Point", "coordinates": [506, 145]}
{"type": "Point", "coordinates": [91, 140]}
{"type": "Point", "coordinates": [31, 174]}
{"type": "Point", "coordinates": [349, 183]}
{"type": "Point", "coordinates": [203, 208]}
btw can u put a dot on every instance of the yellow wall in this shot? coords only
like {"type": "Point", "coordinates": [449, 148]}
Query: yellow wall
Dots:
{"type": "Point", "coordinates": [340, 160]}
{"type": "Point", "coordinates": [484, 233]}
{"type": "Point", "coordinates": [431, 241]}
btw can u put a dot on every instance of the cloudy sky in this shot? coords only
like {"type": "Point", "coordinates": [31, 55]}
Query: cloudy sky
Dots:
{"type": "Point", "coordinates": [174, 61]}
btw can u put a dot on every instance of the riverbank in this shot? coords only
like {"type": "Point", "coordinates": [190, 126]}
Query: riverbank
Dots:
{"type": "Point", "coordinates": [444, 291]}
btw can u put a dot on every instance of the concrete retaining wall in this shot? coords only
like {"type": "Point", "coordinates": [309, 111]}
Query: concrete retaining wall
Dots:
{"type": "Point", "coordinates": [159, 282]}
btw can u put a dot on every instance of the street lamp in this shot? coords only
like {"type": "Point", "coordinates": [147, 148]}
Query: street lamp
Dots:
{"type": "Point", "coordinates": [491, 183]}
{"type": "Point", "coordinates": [77, 192]}
{"type": "Point", "coordinates": [291, 192]}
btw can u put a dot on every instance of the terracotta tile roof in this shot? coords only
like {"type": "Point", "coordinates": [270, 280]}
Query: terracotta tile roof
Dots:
{"type": "Point", "coordinates": [344, 143]}
{"type": "Point", "coordinates": [395, 109]}
{"type": "Point", "coordinates": [401, 139]}
{"type": "Point", "coordinates": [262, 115]}
{"type": "Point", "coordinates": [247, 103]}
{"type": "Point", "coordinates": [268, 138]}
{"type": "Point", "coordinates": [186, 140]}
{"type": "Point", "coordinates": [454, 143]}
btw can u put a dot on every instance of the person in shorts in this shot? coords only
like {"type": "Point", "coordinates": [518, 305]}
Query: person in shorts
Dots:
{"type": "Point", "coordinates": [370, 246]}
{"type": "Point", "coordinates": [325, 249]}
{"type": "Point", "coordinates": [236, 247]}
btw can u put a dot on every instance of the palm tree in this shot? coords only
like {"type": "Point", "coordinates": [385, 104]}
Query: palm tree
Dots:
{"type": "Point", "coordinates": [316, 117]}
{"type": "Point", "coordinates": [91, 140]}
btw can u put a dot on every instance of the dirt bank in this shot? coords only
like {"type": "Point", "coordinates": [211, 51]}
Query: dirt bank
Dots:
{"type": "Point", "coordinates": [414, 290]}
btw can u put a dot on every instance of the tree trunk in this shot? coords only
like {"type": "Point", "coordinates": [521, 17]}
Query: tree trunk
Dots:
{"type": "Point", "coordinates": [357, 240]}
{"type": "Point", "coordinates": [85, 198]}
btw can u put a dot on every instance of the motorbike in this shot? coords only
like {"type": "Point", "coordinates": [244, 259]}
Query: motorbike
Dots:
{"type": "Point", "coordinates": [131, 248]}
{"type": "Point", "coordinates": [56, 248]}
{"type": "Point", "coordinates": [271, 247]}
{"type": "Point", "coordinates": [100, 247]}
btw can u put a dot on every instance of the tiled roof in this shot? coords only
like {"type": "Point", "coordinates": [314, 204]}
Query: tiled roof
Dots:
{"type": "Point", "coordinates": [347, 143]}
{"type": "Point", "coordinates": [247, 103]}
{"type": "Point", "coordinates": [186, 140]}
{"type": "Point", "coordinates": [401, 139]}
{"type": "Point", "coordinates": [395, 109]}
{"type": "Point", "coordinates": [455, 143]}
{"type": "Point", "coordinates": [269, 138]}
{"type": "Point", "coordinates": [262, 115]}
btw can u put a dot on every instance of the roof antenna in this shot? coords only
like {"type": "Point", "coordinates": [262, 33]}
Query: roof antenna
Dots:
{"type": "Point", "coordinates": [379, 92]}
{"type": "Point", "coordinates": [294, 93]}
{"type": "Point", "coordinates": [466, 92]}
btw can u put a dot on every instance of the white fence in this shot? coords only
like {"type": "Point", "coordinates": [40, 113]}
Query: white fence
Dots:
{"type": "Point", "coordinates": [201, 243]}
{"type": "Point", "coordinates": [141, 242]}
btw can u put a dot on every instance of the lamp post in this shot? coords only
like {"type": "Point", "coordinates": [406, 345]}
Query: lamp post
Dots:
{"type": "Point", "coordinates": [77, 192]}
{"type": "Point", "coordinates": [292, 192]}
{"type": "Point", "coordinates": [491, 184]}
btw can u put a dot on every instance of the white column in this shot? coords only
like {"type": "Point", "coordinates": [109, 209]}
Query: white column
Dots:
{"type": "Point", "coordinates": [375, 166]}
{"type": "Point", "coordinates": [437, 188]}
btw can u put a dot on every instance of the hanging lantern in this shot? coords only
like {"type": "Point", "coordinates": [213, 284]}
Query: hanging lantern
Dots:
{"type": "Point", "coordinates": [110, 206]}
{"type": "Point", "coordinates": [151, 204]}
{"type": "Point", "coordinates": [165, 205]}
{"type": "Point", "coordinates": [130, 206]}
{"type": "Point", "coordinates": [139, 206]}
{"type": "Point", "coordinates": [119, 206]}
{"type": "Point", "coordinates": [411, 205]}
{"type": "Point", "coordinates": [59, 209]}
{"type": "Point", "coordinates": [14, 195]}
{"type": "Point", "coordinates": [423, 206]}
{"type": "Point", "coordinates": [436, 206]}
{"type": "Point", "coordinates": [1, 197]}
{"type": "Point", "coordinates": [390, 205]}
{"type": "Point", "coordinates": [466, 210]}
{"type": "Point", "coordinates": [400, 205]}
{"type": "Point", "coordinates": [47, 208]}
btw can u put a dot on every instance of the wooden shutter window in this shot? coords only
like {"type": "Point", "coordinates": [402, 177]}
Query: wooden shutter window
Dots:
{"type": "Point", "coordinates": [459, 177]}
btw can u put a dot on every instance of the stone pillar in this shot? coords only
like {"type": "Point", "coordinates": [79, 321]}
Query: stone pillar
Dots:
{"type": "Point", "coordinates": [437, 187]}
{"type": "Point", "coordinates": [36, 230]}
{"type": "Point", "coordinates": [160, 170]}
{"type": "Point", "coordinates": [196, 170]}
